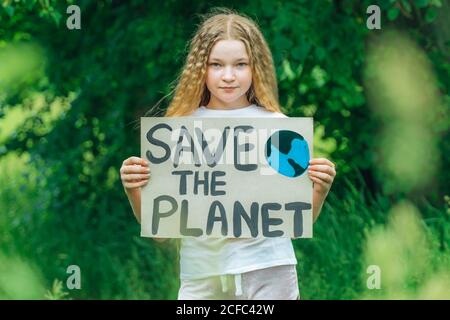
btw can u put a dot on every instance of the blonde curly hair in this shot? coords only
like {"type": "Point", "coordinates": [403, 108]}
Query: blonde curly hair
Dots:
{"type": "Point", "coordinates": [224, 24]}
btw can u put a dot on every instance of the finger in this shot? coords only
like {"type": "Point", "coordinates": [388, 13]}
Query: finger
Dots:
{"type": "Point", "coordinates": [134, 169]}
{"type": "Point", "coordinates": [131, 160]}
{"type": "Point", "coordinates": [135, 160]}
{"type": "Point", "coordinates": [322, 161]}
{"type": "Point", "coordinates": [323, 168]}
{"type": "Point", "coordinates": [136, 180]}
{"type": "Point", "coordinates": [318, 181]}
{"type": "Point", "coordinates": [143, 162]}
{"type": "Point", "coordinates": [323, 176]}
{"type": "Point", "coordinates": [131, 185]}
{"type": "Point", "coordinates": [134, 177]}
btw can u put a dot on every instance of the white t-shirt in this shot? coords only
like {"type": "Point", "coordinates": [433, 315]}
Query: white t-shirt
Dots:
{"type": "Point", "coordinates": [205, 257]}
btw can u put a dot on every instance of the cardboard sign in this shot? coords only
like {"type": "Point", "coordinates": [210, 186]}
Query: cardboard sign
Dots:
{"type": "Point", "coordinates": [227, 177]}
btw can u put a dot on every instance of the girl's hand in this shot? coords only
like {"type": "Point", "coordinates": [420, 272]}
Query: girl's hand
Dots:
{"type": "Point", "coordinates": [134, 173]}
{"type": "Point", "coordinates": [321, 171]}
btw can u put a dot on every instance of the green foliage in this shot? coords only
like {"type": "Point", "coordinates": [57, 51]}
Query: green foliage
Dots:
{"type": "Point", "coordinates": [408, 255]}
{"type": "Point", "coordinates": [330, 264]}
{"type": "Point", "coordinates": [57, 291]}
{"type": "Point", "coordinates": [115, 262]}
{"type": "Point", "coordinates": [19, 280]}
{"type": "Point", "coordinates": [80, 94]}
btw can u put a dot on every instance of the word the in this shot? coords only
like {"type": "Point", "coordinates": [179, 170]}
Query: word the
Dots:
{"type": "Point", "coordinates": [209, 184]}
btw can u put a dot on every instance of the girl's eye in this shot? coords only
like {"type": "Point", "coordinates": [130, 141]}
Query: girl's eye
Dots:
{"type": "Point", "coordinates": [242, 64]}
{"type": "Point", "coordinates": [214, 65]}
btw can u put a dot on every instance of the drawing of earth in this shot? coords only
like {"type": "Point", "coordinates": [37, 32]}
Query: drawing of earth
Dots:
{"type": "Point", "coordinates": [287, 152]}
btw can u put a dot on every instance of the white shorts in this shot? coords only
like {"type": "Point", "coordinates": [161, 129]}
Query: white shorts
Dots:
{"type": "Point", "coordinates": [274, 283]}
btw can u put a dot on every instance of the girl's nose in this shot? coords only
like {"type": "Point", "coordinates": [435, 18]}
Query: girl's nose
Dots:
{"type": "Point", "coordinates": [228, 73]}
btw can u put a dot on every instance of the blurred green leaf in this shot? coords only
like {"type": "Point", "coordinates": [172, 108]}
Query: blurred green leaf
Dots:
{"type": "Point", "coordinates": [430, 15]}
{"type": "Point", "coordinates": [421, 3]}
{"type": "Point", "coordinates": [393, 13]}
{"type": "Point", "coordinates": [406, 5]}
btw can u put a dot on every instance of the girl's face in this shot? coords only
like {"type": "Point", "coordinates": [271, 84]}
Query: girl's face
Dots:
{"type": "Point", "coordinates": [228, 75]}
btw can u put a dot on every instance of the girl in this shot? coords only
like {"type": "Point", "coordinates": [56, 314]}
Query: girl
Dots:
{"type": "Point", "coordinates": [229, 72]}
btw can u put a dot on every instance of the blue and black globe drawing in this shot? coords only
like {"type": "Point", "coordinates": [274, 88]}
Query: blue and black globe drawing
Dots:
{"type": "Point", "coordinates": [287, 152]}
